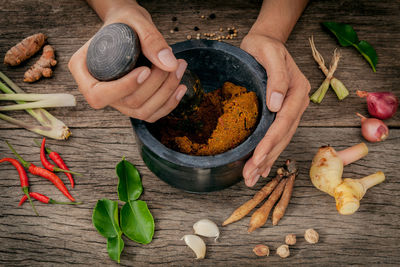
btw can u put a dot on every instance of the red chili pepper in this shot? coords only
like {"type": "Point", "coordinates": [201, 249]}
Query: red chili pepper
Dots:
{"type": "Point", "coordinates": [22, 177]}
{"type": "Point", "coordinates": [43, 173]}
{"type": "Point", "coordinates": [57, 159]}
{"type": "Point", "coordinates": [45, 199]}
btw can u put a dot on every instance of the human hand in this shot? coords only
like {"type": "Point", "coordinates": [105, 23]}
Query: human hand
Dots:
{"type": "Point", "coordinates": [287, 94]}
{"type": "Point", "coordinates": [144, 93]}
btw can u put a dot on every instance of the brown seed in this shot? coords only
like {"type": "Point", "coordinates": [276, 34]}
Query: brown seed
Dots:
{"type": "Point", "coordinates": [311, 236]}
{"type": "Point", "coordinates": [261, 250]}
{"type": "Point", "coordinates": [283, 251]}
{"type": "Point", "coordinates": [290, 239]}
{"type": "Point", "coordinates": [188, 37]}
{"type": "Point", "coordinates": [202, 16]}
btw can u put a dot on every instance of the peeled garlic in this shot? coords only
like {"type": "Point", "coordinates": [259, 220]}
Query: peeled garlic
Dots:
{"type": "Point", "coordinates": [196, 244]}
{"type": "Point", "coordinates": [207, 228]}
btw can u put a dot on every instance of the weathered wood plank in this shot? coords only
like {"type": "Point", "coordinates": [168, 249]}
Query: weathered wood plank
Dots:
{"type": "Point", "coordinates": [65, 235]}
{"type": "Point", "coordinates": [73, 23]}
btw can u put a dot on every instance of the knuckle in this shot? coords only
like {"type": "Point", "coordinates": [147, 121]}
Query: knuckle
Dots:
{"type": "Point", "coordinates": [94, 100]}
{"type": "Point", "coordinates": [132, 102]}
{"type": "Point", "coordinates": [141, 114]}
{"type": "Point", "coordinates": [307, 86]}
{"type": "Point", "coordinates": [152, 37]}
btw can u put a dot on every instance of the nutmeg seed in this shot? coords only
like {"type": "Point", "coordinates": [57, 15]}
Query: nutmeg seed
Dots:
{"type": "Point", "coordinates": [261, 250]}
{"type": "Point", "coordinates": [283, 251]}
{"type": "Point", "coordinates": [311, 236]}
{"type": "Point", "coordinates": [290, 239]}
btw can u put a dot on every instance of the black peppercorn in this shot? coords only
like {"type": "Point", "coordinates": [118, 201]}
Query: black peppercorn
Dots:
{"type": "Point", "coordinates": [196, 28]}
{"type": "Point", "coordinates": [212, 16]}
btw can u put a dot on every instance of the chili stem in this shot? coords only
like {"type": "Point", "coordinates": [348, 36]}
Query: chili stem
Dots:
{"type": "Point", "coordinates": [26, 164]}
{"type": "Point", "coordinates": [26, 192]}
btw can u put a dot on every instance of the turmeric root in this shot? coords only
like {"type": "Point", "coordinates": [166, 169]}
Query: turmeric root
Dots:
{"type": "Point", "coordinates": [260, 216]}
{"type": "Point", "coordinates": [280, 208]}
{"type": "Point", "coordinates": [243, 210]}
{"type": "Point", "coordinates": [42, 67]}
{"type": "Point", "coordinates": [24, 49]}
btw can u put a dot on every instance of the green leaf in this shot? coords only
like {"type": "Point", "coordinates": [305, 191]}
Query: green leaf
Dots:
{"type": "Point", "coordinates": [115, 245]}
{"type": "Point", "coordinates": [368, 53]}
{"type": "Point", "coordinates": [129, 183]}
{"type": "Point", "coordinates": [137, 223]}
{"type": "Point", "coordinates": [343, 32]}
{"type": "Point", "coordinates": [347, 37]}
{"type": "Point", "coordinates": [105, 218]}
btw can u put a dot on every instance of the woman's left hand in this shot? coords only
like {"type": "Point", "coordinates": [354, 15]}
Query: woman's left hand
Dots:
{"type": "Point", "coordinates": [287, 94]}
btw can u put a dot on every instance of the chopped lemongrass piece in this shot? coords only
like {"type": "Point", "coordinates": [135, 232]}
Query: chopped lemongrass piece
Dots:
{"type": "Point", "coordinates": [318, 95]}
{"type": "Point", "coordinates": [44, 101]}
{"type": "Point", "coordinates": [52, 127]}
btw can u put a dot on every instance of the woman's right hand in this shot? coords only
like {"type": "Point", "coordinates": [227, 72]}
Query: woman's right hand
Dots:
{"type": "Point", "coordinates": [144, 93]}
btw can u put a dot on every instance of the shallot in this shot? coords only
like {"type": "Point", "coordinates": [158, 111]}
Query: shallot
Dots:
{"type": "Point", "coordinates": [381, 105]}
{"type": "Point", "coordinates": [373, 130]}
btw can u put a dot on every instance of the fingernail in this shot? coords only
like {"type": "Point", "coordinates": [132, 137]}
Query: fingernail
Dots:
{"type": "Point", "coordinates": [167, 57]}
{"type": "Point", "coordinates": [276, 101]}
{"type": "Point", "coordinates": [143, 76]}
{"type": "Point", "coordinates": [266, 172]}
{"type": "Point", "coordinates": [259, 159]}
{"type": "Point", "coordinates": [181, 93]}
{"type": "Point", "coordinates": [253, 180]}
{"type": "Point", "coordinates": [181, 69]}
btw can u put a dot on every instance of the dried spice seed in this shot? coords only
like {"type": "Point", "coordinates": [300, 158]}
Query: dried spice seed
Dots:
{"type": "Point", "coordinates": [212, 16]}
{"type": "Point", "coordinates": [174, 18]}
{"type": "Point", "coordinates": [188, 37]}
{"type": "Point", "coordinates": [176, 29]}
{"type": "Point", "coordinates": [171, 31]}
{"type": "Point", "coordinates": [261, 250]}
{"type": "Point", "coordinates": [196, 28]}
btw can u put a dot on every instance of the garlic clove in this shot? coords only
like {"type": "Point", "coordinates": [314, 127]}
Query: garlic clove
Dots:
{"type": "Point", "coordinates": [196, 244]}
{"type": "Point", "coordinates": [207, 228]}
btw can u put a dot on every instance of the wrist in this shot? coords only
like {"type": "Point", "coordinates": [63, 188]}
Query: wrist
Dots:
{"type": "Point", "coordinates": [108, 9]}
{"type": "Point", "coordinates": [270, 29]}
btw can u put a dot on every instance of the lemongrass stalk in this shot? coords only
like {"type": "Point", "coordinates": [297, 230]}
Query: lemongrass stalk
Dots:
{"type": "Point", "coordinates": [319, 94]}
{"type": "Point", "coordinates": [44, 117]}
{"type": "Point", "coordinates": [35, 97]}
{"type": "Point", "coordinates": [39, 129]}
{"type": "Point", "coordinates": [45, 101]}
{"type": "Point", "coordinates": [339, 88]}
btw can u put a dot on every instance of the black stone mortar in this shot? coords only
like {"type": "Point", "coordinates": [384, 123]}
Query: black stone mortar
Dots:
{"type": "Point", "coordinates": [215, 63]}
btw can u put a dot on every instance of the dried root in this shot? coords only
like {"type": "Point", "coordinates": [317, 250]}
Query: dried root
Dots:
{"type": "Point", "coordinates": [260, 216]}
{"type": "Point", "coordinates": [24, 49]}
{"type": "Point", "coordinates": [243, 210]}
{"type": "Point", "coordinates": [280, 208]}
{"type": "Point", "coordinates": [42, 67]}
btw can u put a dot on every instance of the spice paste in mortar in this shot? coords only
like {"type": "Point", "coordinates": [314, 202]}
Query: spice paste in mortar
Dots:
{"type": "Point", "coordinates": [223, 120]}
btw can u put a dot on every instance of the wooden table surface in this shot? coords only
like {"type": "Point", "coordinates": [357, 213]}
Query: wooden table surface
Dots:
{"type": "Point", "coordinates": [64, 235]}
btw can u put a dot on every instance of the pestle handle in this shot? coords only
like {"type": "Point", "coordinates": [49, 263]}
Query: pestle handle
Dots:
{"type": "Point", "coordinates": [114, 51]}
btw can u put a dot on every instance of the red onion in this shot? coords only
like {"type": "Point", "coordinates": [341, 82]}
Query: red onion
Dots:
{"type": "Point", "coordinates": [381, 105]}
{"type": "Point", "coordinates": [373, 130]}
